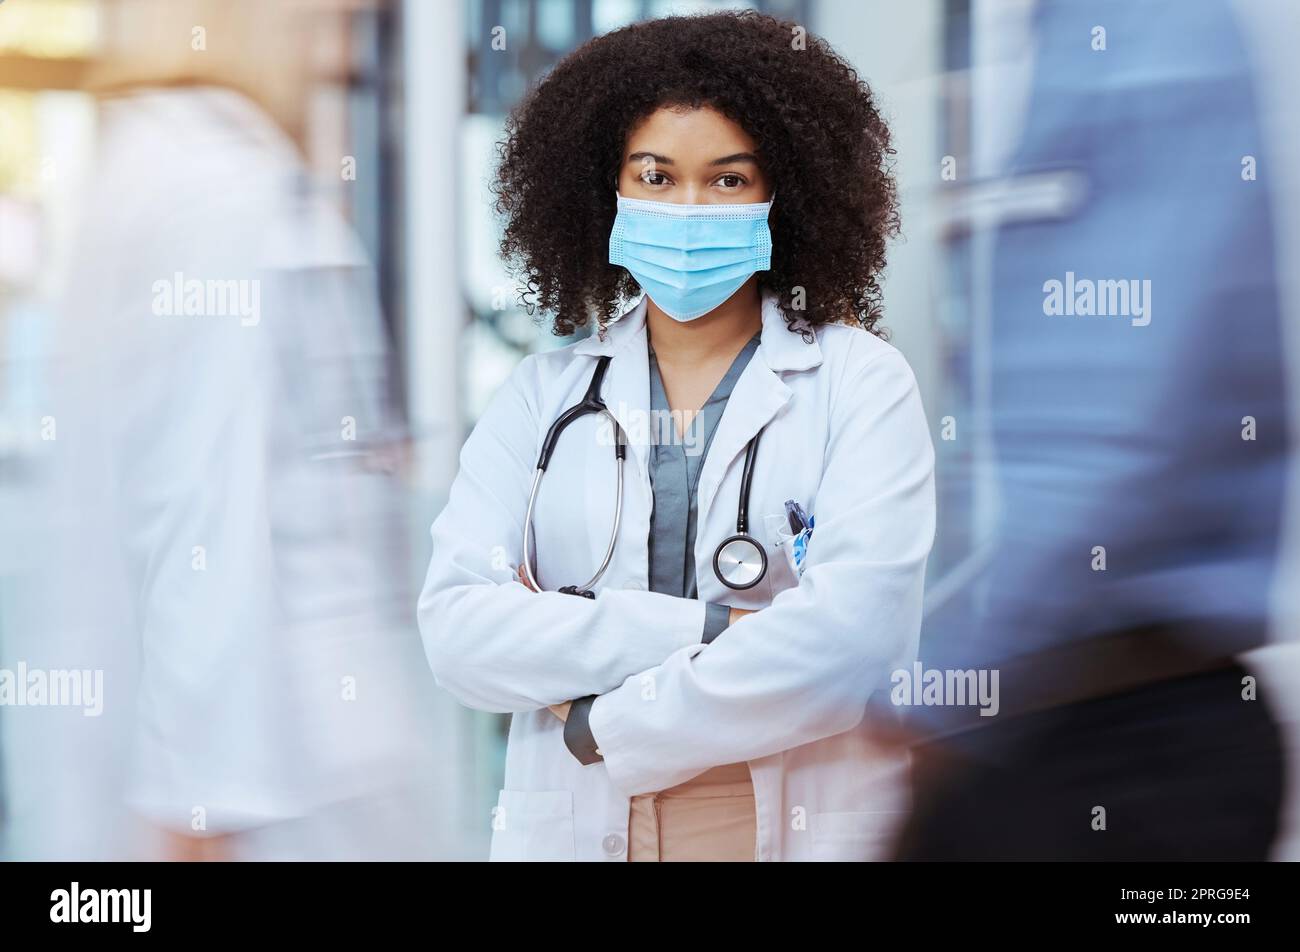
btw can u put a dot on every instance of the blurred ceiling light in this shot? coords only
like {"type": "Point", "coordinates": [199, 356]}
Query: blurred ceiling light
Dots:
{"type": "Point", "coordinates": [49, 28]}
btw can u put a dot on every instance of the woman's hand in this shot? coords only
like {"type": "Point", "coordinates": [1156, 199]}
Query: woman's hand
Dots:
{"type": "Point", "coordinates": [523, 578]}
{"type": "Point", "coordinates": [172, 846]}
{"type": "Point", "coordinates": [738, 613]}
{"type": "Point", "coordinates": [562, 710]}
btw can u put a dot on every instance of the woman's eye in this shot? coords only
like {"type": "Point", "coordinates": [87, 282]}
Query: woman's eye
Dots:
{"type": "Point", "coordinates": [731, 181]}
{"type": "Point", "coordinates": [654, 178]}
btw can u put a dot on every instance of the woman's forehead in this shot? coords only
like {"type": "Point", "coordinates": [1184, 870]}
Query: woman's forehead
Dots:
{"type": "Point", "coordinates": [676, 135]}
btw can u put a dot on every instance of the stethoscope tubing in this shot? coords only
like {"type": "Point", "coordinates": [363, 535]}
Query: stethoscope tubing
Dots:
{"type": "Point", "coordinates": [742, 526]}
{"type": "Point", "coordinates": [613, 535]}
{"type": "Point", "coordinates": [592, 403]}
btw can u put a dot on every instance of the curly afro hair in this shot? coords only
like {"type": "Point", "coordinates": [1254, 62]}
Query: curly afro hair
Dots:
{"type": "Point", "coordinates": [821, 143]}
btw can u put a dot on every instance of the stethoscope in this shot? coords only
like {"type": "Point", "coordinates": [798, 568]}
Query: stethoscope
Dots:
{"type": "Point", "coordinates": [739, 561]}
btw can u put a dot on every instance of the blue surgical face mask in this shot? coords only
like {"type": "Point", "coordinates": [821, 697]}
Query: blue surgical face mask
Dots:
{"type": "Point", "coordinates": [690, 258]}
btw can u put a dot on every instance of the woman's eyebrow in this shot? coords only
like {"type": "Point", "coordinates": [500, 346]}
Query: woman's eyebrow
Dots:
{"type": "Point", "coordinates": [642, 156]}
{"type": "Point", "coordinates": [724, 160]}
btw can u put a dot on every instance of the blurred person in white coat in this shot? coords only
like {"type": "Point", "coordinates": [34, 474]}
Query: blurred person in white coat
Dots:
{"type": "Point", "coordinates": [710, 705]}
{"type": "Point", "coordinates": [220, 527]}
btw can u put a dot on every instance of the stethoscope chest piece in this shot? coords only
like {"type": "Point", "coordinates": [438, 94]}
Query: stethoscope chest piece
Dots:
{"type": "Point", "coordinates": [739, 561]}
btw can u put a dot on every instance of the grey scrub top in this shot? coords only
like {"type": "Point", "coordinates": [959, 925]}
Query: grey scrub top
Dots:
{"type": "Point", "coordinates": [674, 476]}
{"type": "Point", "coordinates": [675, 465]}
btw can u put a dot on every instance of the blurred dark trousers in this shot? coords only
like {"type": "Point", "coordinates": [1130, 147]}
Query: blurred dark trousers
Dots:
{"type": "Point", "coordinates": [1185, 770]}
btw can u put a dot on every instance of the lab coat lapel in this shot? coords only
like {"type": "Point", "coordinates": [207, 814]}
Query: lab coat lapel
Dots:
{"type": "Point", "coordinates": [627, 382]}
{"type": "Point", "coordinates": [758, 396]}
{"type": "Point", "coordinates": [626, 392]}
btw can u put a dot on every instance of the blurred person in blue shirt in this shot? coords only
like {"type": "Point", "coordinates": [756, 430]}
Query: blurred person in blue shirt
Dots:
{"type": "Point", "coordinates": [1140, 433]}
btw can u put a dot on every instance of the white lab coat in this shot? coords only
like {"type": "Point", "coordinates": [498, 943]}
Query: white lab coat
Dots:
{"type": "Point", "coordinates": [783, 689]}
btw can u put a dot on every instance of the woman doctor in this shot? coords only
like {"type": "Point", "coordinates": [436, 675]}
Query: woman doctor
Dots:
{"type": "Point", "coordinates": [689, 659]}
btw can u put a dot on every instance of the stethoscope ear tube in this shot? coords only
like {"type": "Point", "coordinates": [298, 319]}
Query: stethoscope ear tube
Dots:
{"type": "Point", "coordinates": [591, 403]}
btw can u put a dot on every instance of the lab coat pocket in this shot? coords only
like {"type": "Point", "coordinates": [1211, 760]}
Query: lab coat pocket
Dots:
{"type": "Point", "coordinates": [780, 553]}
{"type": "Point", "coordinates": [532, 826]}
{"type": "Point", "coordinates": [855, 837]}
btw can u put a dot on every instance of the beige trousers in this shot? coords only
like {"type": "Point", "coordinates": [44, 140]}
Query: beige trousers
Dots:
{"type": "Point", "coordinates": [709, 818]}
